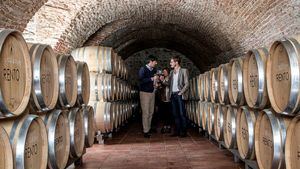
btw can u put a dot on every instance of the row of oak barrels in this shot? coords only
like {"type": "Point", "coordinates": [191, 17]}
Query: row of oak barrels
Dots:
{"type": "Point", "coordinates": [102, 59]}
{"type": "Point", "coordinates": [110, 116]}
{"type": "Point", "coordinates": [37, 141]}
{"type": "Point", "coordinates": [107, 87]}
{"type": "Point", "coordinates": [270, 138]}
{"type": "Point", "coordinates": [46, 141]}
{"type": "Point", "coordinates": [261, 79]}
{"type": "Point", "coordinates": [32, 74]}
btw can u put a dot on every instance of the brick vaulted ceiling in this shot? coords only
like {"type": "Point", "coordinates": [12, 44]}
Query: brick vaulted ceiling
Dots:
{"type": "Point", "coordinates": [209, 32]}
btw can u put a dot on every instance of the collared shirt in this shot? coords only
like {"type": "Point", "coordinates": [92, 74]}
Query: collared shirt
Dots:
{"type": "Point", "coordinates": [150, 68]}
{"type": "Point", "coordinates": [175, 81]}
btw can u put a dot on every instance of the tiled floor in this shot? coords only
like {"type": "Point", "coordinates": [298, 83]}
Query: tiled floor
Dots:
{"type": "Point", "coordinates": [130, 150]}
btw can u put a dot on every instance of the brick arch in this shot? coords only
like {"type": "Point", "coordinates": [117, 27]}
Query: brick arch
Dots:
{"type": "Point", "coordinates": [232, 26]}
{"type": "Point", "coordinates": [135, 46]}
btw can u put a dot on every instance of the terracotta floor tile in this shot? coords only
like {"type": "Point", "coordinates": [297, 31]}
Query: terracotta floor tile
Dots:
{"type": "Point", "coordinates": [128, 149]}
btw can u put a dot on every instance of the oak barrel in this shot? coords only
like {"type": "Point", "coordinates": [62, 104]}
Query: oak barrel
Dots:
{"type": "Point", "coordinates": [211, 118]}
{"type": "Point", "coordinates": [67, 81]}
{"type": "Point", "coordinates": [89, 128]}
{"type": "Point", "coordinates": [220, 113]}
{"type": "Point", "coordinates": [99, 58]}
{"type": "Point", "coordinates": [6, 155]}
{"type": "Point", "coordinates": [254, 74]}
{"type": "Point", "coordinates": [201, 109]}
{"type": "Point", "coordinates": [205, 115]}
{"type": "Point", "coordinates": [119, 66]}
{"type": "Point", "coordinates": [292, 145]}
{"type": "Point", "coordinates": [214, 88]}
{"type": "Point", "coordinates": [98, 86]}
{"type": "Point", "coordinates": [57, 125]}
{"type": "Point", "coordinates": [115, 110]}
{"type": "Point", "coordinates": [207, 80]}
{"type": "Point", "coordinates": [76, 125]}
{"type": "Point", "coordinates": [103, 116]}
{"type": "Point", "coordinates": [83, 83]}
{"type": "Point", "coordinates": [201, 87]}
{"type": "Point", "coordinates": [246, 120]}
{"type": "Point", "coordinates": [191, 90]}
{"type": "Point", "coordinates": [230, 127]}
{"type": "Point", "coordinates": [28, 137]}
{"type": "Point", "coordinates": [195, 87]}
{"type": "Point", "coordinates": [270, 135]}
{"type": "Point", "coordinates": [198, 113]}
{"type": "Point", "coordinates": [236, 89]}
{"type": "Point", "coordinates": [223, 86]}
{"type": "Point", "coordinates": [44, 91]}
{"type": "Point", "coordinates": [16, 76]}
{"type": "Point", "coordinates": [283, 75]}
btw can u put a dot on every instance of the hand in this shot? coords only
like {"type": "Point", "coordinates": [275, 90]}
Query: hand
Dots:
{"type": "Point", "coordinates": [179, 94]}
{"type": "Point", "coordinates": [162, 78]}
{"type": "Point", "coordinates": [155, 78]}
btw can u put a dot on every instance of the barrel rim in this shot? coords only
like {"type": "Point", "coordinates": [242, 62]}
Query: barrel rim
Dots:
{"type": "Point", "coordinates": [223, 99]}
{"type": "Point", "coordinates": [28, 81]}
{"type": "Point", "coordinates": [251, 133]}
{"type": "Point", "coordinates": [204, 113]}
{"type": "Point", "coordinates": [240, 99]}
{"type": "Point", "coordinates": [260, 101]}
{"type": "Point", "coordinates": [207, 80]}
{"type": "Point", "coordinates": [64, 102]}
{"type": "Point", "coordinates": [219, 136]}
{"type": "Point", "coordinates": [52, 161]}
{"type": "Point", "coordinates": [20, 156]}
{"type": "Point", "coordinates": [277, 148]}
{"type": "Point", "coordinates": [80, 68]}
{"type": "Point", "coordinates": [211, 118]}
{"type": "Point", "coordinates": [233, 111]}
{"type": "Point", "coordinates": [72, 116]}
{"type": "Point", "coordinates": [86, 111]}
{"type": "Point", "coordinates": [38, 50]}
{"type": "Point", "coordinates": [214, 73]}
{"type": "Point", "coordinates": [292, 47]}
{"type": "Point", "coordinates": [8, 152]}
{"type": "Point", "coordinates": [288, 145]}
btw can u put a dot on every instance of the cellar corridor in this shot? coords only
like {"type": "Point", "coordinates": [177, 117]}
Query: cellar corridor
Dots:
{"type": "Point", "coordinates": [69, 74]}
{"type": "Point", "coordinates": [130, 150]}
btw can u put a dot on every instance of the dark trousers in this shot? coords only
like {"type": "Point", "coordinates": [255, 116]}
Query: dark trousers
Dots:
{"type": "Point", "coordinates": [166, 115]}
{"type": "Point", "coordinates": [179, 113]}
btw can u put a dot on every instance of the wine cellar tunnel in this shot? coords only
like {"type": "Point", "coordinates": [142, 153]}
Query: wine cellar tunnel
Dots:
{"type": "Point", "coordinates": [204, 33]}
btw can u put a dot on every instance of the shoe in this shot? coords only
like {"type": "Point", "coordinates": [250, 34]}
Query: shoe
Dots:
{"type": "Point", "coordinates": [147, 135]}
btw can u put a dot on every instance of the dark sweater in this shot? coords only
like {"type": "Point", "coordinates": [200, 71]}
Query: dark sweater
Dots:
{"type": "Point", "coordinates": [146, 84]}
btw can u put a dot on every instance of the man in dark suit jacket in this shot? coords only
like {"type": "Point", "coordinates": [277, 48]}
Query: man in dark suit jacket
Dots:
{"type": "Point", "coordinates": [179, 84]}
{"type": "Point", "coordinates": [147, 96]}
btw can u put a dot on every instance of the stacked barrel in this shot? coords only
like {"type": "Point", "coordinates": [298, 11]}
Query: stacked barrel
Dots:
{"type": "Point", "coordinates": [252, 104]}
{"type": "Point", "coordinates": [44, 117]}
{"type": "Point", "coordinates": [111, 95]}
{"type": "Point", "coordinates": [192, 106]}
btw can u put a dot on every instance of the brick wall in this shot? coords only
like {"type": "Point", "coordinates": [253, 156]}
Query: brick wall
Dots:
{"type": "Point", "coordinates": [209, 32]}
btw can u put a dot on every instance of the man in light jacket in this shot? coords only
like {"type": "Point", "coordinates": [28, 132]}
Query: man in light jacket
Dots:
{"type": "Point", "coordinates": [179, 84]}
